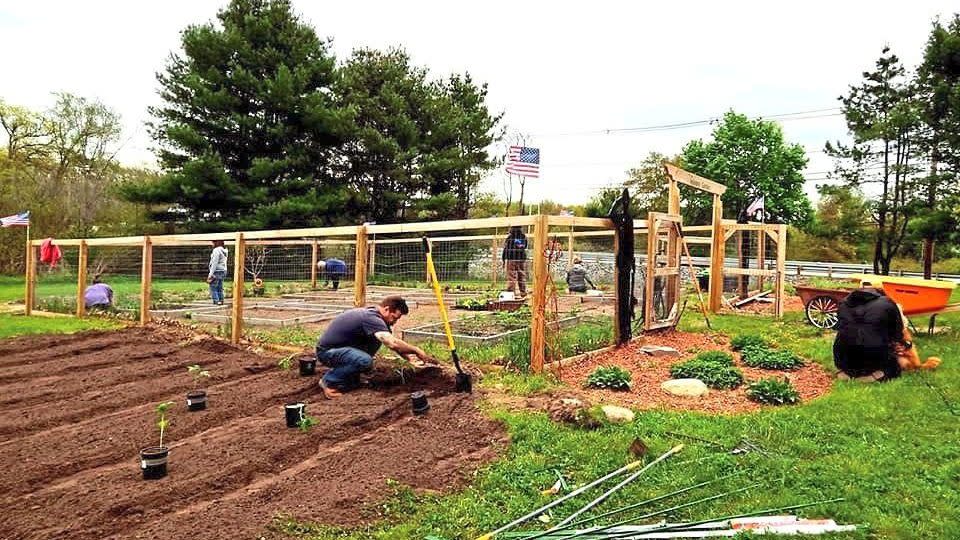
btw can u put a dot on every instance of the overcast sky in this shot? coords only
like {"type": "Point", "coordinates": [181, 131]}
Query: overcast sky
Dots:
{"type": "Point", "coordinates": [558, 70]}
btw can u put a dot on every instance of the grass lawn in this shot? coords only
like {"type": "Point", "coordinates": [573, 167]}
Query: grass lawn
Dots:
{"type": "Point", "coordinates": [891, 450]}
{"type": "Point", "coordinates": [17, 325]}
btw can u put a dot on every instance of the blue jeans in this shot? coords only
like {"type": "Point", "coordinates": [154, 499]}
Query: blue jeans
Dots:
{"type": "Point", "coordinates": [346, 364]}
{"type": "Point", "coordinates": [216, 286]}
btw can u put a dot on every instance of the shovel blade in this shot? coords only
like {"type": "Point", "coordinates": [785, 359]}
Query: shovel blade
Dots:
{"type": "Point", "coordinates": [464, 383]}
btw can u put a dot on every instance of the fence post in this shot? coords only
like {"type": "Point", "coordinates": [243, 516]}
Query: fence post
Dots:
{"type": "Point", "coordinates": [538, 322]}
{"type": "Point", "coordinates": [314, 259]}
{"type": "Point", "coordinates": [236, 310]}
{"type": "Point", "coordinates": [30, 279]}
{"type": "Point", "coordinates": [494, 263]}
{"type": "Point", "coordinates": [781, 268]}
{"type": "Point", "coordinates": [360, 268]}
{"type": "Point", "coordinates": [570, 249]}
{"type": "Point", "coordinates": [81, 278]}
{"type": "Point", "coordinates": [799, 270]}
{"type": "Point", "coordinates": [146, 280]}
{"type": "Point", "coordinates": [717, 253]}
{"type": "Point", "coordinates": [373, 257]}
{"type": "Point", "coordinates": [829, 271]}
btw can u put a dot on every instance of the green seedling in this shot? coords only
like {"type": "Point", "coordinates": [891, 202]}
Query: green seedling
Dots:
{"type": "Point", "coordinates": [162, 421]}
{"type": "Point", "coordinates": [198, 374]}
{"type": "Point", "coordinates": [286, 362]}
{"type": "Point", "coordinates": [306, 421]}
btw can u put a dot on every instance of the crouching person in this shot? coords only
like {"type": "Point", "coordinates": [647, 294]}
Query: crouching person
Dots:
{"type": "Point", "coordinates": [869, 326]}
{"type": "Point", "coordinates": [349, 344]}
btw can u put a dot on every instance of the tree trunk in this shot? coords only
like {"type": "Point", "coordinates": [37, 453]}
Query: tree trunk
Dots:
{"type": "Point", "coordinates": [931, 203]}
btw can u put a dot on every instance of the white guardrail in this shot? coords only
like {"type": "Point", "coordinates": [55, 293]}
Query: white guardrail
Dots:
{"type": "Point", "coordinates": [794, 268]}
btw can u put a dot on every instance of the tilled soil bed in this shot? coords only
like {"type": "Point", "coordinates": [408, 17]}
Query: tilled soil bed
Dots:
{"type": "Point", "coordinates": [648, 372]}
{"type": "Point", "coordinates": [76, 409]}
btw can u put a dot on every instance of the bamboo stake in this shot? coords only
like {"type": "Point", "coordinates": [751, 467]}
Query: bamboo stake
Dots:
{"type": "Point", "coordinates": [81, 278]}
{"type": "Point", "coordinates": [574, 493]}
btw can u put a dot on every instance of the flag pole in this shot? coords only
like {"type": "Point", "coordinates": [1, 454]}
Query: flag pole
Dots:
{"type": "Point", "coordinates": [28, 274]}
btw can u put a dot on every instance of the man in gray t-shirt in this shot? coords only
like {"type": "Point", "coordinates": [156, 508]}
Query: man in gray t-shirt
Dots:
{"type": "Point", "coordinates": [354, 337]}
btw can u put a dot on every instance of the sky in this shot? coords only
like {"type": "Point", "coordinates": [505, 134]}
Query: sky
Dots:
{"type": "Point", "coordinates": [563, 73]}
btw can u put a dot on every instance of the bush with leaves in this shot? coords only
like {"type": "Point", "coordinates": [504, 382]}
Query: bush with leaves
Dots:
{"type": "Point", "coordinates": [713, 373]}
{"type": "Point", "coordinates": [722, 358]}
{"type": "Point", "coordinates": [771, 359]}
{"type": "Point", "coordinates": [745, 341]}
{"type": "Point", "coordinates": [609, 377]}
{"type": "Point", "coordinates": [773, 391]}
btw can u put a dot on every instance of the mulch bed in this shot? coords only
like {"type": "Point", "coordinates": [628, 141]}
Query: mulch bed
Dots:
{"type": "Point", "coordinates": [648, 372]}
{"type": "Point", "coordinates": [76, 409]}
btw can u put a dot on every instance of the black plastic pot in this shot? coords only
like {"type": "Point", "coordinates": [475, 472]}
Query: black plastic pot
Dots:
{"type": "Point", "coordinates": [153, 462]}
{"type": "Point", "coordinates": [704, 282]}
{"type": "Point", "coordinates": [308, 366]}
{"type": "Point", "coordinates": [196, 400]}
{"type": "Point", "coordinates": [294, 412]}
{"type": "Point", "coordinates": [419, 401]}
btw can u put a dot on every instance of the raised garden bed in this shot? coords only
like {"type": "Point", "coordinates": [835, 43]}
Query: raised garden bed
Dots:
{"type": "Point", "coordinates": [477, 330]}
{"type": "Point", "coordinates": [272, 315]}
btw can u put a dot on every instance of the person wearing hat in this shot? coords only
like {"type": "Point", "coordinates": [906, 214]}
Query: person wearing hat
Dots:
{"type": "Point", "coordinates": [332, 270]}
{"type": "Point", "coordinates": [577, 279]}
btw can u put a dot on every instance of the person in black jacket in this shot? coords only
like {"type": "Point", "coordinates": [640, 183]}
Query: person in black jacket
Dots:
{"type": "Point", "coordinates": [869, 325]}
{"type": "Point", "coordinates": [514, 257]}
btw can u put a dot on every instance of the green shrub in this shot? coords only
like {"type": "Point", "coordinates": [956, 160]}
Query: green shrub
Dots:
{"type": "Point", "coordinates": [517, 354]}
{"type": "Point", "coordinates": [773, 391]}
{"type": "Point", "coordinates": [722, 358]}
{"type": "Point", "coordinates": [766, 358]}
{"type": "Point", "coordinates": [744, 341]}
{"type": "Point", "coordinates": [713, 374]}
{"type": "Point", "coordinates": [609, 377]}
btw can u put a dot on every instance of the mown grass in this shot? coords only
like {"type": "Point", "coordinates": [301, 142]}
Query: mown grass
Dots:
{"type": "Point", "coordinates": [891, 450]}
{"type": "Point", "coordinates": [17, 325]}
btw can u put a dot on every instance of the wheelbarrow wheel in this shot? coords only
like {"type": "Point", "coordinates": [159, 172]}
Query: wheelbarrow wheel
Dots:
{"type": "Point", "coordinates": [821, 311]}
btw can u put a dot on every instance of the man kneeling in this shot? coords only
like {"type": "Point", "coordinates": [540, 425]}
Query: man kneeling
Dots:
{"type": "Point", "coordinates": [353, 338]}
{"type": "Point", "coordinates": [869, 326]}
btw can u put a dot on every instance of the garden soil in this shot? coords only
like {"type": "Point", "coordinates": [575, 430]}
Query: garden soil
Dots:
{"type": "Point", "coordinates": [76, 409]}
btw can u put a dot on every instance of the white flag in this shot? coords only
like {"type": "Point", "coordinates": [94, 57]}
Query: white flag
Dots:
{"type": "Point", "coordinates": [755, 207]}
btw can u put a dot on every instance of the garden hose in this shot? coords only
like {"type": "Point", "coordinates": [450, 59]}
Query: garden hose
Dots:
{"type": "Point", "coordinates": [464, 382]}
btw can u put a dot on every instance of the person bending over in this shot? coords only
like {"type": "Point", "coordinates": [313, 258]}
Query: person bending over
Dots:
{"type": "Point", "coordinates": [98, 296]}
{"type": "Point", "coordinates": [349, 344]}
{"type": "Point", "coordinates": [333, 270]}
{"type": "Point", "coordinates": [869, 326]}
{"type": "Point", "coordinates": [577, 279]}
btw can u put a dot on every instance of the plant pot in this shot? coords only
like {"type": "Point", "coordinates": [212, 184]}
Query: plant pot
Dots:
{"type": "Point", "coordinates": [196, 400]}
{"type": "Point", "coordinates": [704, 282]}
{"type": "Point", "coordinates": [153, 462]}
{"type": "Point", "coordinates": [308, 366]}
{"type": "Point", "coordinates": [294, 412]}
{"type": "Point", "coordinates": [419, 401]}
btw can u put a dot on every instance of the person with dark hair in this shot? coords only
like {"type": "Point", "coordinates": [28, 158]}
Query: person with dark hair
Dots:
{"type": "Point", "coordinates": [514, 258]}
{"type": "Point", "coordinates": [217, 271]}
{"type": "Point", "coordinates": [98, 296]}
{"type": "Point", "coordinates": [577, 278]}
{"type": "Point", "coordinates": [349, 344]}
{"type": "Point", "coordinates": [869, 326]}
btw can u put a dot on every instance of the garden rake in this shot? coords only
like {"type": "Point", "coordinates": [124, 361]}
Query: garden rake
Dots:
{"type": "Point", "coordinates": [464, 382]}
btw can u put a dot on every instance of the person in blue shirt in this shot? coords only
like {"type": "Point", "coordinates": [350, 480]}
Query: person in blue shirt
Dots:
{"type": "Point", "coordinates": [333, 270]}
{"type": "Point", "coordinates": [98, 296]}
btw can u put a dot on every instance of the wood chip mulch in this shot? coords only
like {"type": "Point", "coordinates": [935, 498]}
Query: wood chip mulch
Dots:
{"type": "Point", "coordinates": [648, 372]}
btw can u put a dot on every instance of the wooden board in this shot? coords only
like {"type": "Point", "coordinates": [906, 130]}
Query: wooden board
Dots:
{"type": "Point", "coordinates": [146, 280]}
{"type": "Point", "coordinates": [236, 310]}
{"type": "Point", "coordinates": [360, 268]}
{"type": "Point", "coordinates": [81, 278]}
{"type": "Point", "coordinates": [539, 302]}
{"type": "Point", "coordinates": [692, 180]}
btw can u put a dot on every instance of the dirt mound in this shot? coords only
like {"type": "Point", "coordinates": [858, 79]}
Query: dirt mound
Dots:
{"type": "Point", "coordinates": [648, 372]}
{"type": "Point", "coordinates": [76, 410]}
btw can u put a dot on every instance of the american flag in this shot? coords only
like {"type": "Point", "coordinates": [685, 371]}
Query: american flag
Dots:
{"type": "Point", "coordinates": [524, 161]}
{"type": "Point", "coordinates": [17, 220]}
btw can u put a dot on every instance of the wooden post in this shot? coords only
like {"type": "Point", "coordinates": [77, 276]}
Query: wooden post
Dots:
{"type": "Point", "coordinates": [494, 263]}
{"type": "Point", "coordinates": [373, 258]}
{"type": "Point", "coordinates": [81, 278]}
{"type": "Point", "coordinates": [314, 259]}
{"type": "Point", "coordinates": [146, 280]}
{"type": "Point", "coordinates": [649, 282]}
{"type": "Point", "coordinates": [761, 255]}
{"type": "Point", "coordinates": [616, 288]}
{"type": "Point", "coordinates": [742, 284]}
{"type": "Point", "coordinates": [30, 279]}
{"type": "Point", "coordinates": [570, 249]}
{"type": "Point", "coordinates": [781, 268]}
{"type": "Point", "coordinates": [360, 268]}
{"type": "Point", "coordinates": [717, 254]}
{"type": "Point", "coordinates": [236, 311]}
{"type": "Point", "coordinates": [538, 323]}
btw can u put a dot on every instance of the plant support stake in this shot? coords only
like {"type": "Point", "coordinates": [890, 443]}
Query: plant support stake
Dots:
{"type": "Point", "coordinates": [617, 487]}
{"type": "Point", "coordinates": [574, 493]}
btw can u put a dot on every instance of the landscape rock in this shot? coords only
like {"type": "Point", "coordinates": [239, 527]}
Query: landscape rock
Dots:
{"type": "Point", "coordinates": [685, 387]}
{"type": "Point", "coordinates": [660, 351]}
{"type": "Point", "coordinates": [574, 412]}
{"type": "Point", "coordinates": [617, 415]}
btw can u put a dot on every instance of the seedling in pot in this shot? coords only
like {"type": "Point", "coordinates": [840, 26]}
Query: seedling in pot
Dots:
{"type": "Point", "coordinates": [153, 459]}
{"type": "Point", "coordinates": [197, 399]}
{"type": "Point", "coordinates": [306, 421]}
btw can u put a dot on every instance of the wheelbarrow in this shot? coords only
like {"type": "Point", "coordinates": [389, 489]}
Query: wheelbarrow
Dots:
{"type": "Point", "coordinates": [914, 295]}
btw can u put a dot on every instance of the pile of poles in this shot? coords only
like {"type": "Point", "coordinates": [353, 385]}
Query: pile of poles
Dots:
{"type": "Point", "coordinates": [628, 519]}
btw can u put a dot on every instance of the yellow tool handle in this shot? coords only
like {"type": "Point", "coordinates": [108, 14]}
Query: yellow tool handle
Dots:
{"type": "Point", "coordinates": [432, 272]}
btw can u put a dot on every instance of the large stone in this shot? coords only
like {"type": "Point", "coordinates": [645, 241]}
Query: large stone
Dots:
{"type": "Point", "coordinates": [660, 351]}
{"type": "Point", "coordinates": [617, 415]}
{"type": "Point", "coordinates": [685, 387]}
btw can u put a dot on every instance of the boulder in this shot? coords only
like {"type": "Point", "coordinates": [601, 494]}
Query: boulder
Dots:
{"type": "Point", "coordinates": [617, 415]}
{"type": "Point", "coordinates": [660, 351]}
{"type": "Point", "coordinates": [685, 387]}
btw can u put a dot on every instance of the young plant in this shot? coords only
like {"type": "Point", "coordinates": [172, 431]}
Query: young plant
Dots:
{"type": "Point", "coordinates": [745, 341]}
{"type": "Point", "coordinates": [773, 391]}
{"type": "Point", "coordinates": [162, 421]}
{"type": "Point", "coordinates": [762, 357]}
{"type": "Point", "coordinates": [712, 373]}
{"type": "Point", "coordinates": [198, 374]}
{"type": "Point", "coordinates": [609, 377]}
{"type": "Point", "coordinates": [286, 362]}
{"type": "Point", "coordinates": [721, 358]}
{"type": "Point", "coordinates": [306, 421]}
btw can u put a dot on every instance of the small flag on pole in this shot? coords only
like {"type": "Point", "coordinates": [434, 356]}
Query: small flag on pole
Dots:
{"type": "Point", "coordinates": [18, 220]}
{"type": "Point", "coordinates": [524, 161]}
{"type": "Point", "coordinates": [755, 208]}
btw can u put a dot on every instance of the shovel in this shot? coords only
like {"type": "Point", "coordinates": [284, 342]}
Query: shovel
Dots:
{"type": "Point", "coordinates": [464, 382]}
